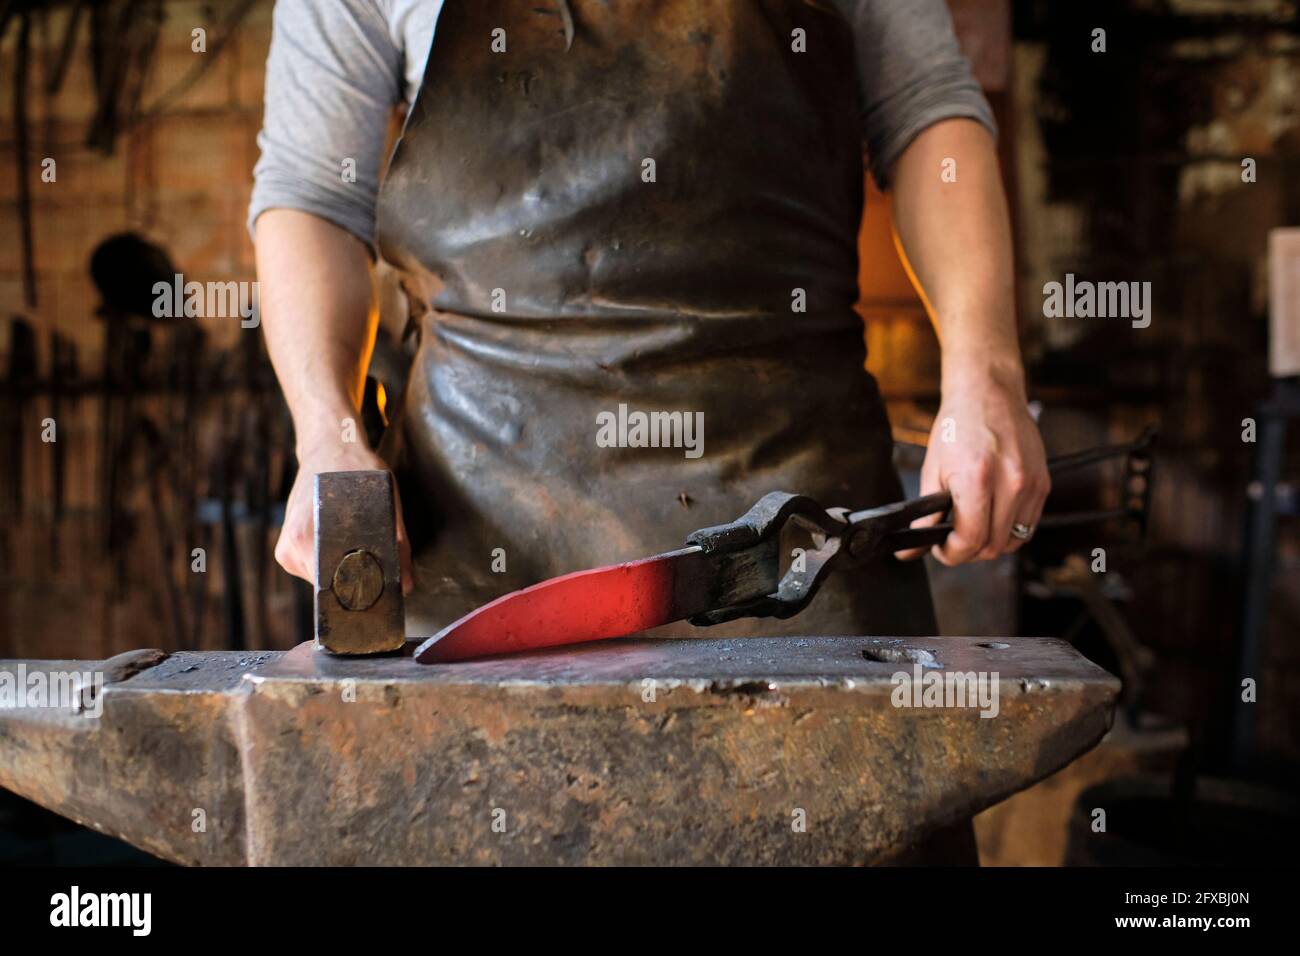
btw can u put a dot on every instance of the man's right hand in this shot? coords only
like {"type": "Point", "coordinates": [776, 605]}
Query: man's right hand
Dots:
{"type": "Point", "coordinates": [296, 549]}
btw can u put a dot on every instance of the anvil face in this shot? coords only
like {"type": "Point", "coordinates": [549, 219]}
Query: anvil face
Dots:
{"type": "Point", "coordinates": [767, 750]}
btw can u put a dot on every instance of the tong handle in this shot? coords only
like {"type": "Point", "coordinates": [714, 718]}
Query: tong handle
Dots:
{"type": "Point", "coordinates": [903, 513]}
{"type": "Point", "coordinates": [908, 538]}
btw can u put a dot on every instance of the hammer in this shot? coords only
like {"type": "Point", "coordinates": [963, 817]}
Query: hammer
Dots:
{"type": "Point", "coordinates": [359, 608]}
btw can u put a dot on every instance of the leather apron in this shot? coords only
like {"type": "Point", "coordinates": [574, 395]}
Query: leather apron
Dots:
{"type": "Point", "coordinates": [651, 204]}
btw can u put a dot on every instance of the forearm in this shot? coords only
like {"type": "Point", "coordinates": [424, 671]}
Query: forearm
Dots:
{"type": "Point", "coordinates": [956, 239]}
{"type": "Point", "coordinates": [314, 282]}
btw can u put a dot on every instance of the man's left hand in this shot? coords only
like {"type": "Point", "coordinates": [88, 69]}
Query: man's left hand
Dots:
{"type": "Point", "coordinates": [985, 450]}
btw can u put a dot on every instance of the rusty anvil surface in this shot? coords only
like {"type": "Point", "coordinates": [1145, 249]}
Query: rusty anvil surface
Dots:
{"type": "Point", "coordinates": [636, 752]}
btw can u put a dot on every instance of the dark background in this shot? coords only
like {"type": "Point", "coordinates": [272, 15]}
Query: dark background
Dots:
{"type": "Point", "coordinates": [1122, 165]}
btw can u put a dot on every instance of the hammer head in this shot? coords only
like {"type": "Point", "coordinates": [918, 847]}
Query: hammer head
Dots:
{"type": "Point", "coordinates": [359, 608]}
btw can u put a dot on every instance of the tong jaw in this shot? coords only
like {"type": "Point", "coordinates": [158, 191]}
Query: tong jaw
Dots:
{"type": "Point", "coordinates": [760, 525]}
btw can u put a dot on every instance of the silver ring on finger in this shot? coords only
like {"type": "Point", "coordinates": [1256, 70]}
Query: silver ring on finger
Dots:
{"type": "Point", "coordinates": [1022, 532]}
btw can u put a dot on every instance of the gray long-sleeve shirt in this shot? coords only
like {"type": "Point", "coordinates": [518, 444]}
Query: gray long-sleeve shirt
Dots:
{"type": "Point", "coordinates": [338, 67]}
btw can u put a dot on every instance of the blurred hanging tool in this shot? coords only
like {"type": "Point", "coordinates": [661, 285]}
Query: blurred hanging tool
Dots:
{"type": "Point", "coordinates": [22, 63]}
{"type": "Point", "coordinates": [63, 376]}
{"type": "Point", "coordinates": [20, 382]}
{"type": "Point", "coordinates": [123, 37]}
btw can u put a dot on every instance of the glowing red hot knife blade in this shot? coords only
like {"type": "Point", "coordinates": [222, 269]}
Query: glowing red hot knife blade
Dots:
{"type": "Point", "coordinates": [613, 601]}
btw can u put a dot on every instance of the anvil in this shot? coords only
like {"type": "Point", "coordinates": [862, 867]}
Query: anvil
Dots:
{"type": "Point", "coordinates": [743, 751]}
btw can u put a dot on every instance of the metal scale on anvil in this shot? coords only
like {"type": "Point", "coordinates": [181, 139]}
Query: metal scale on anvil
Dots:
{"type": "Point", "coordinates": [621, 751]}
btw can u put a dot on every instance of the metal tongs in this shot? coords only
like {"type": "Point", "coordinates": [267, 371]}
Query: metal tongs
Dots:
{"type": "Point", "coordinates": [843, 539]}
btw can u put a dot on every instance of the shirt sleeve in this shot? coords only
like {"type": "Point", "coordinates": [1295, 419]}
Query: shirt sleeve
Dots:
{"type": "Point", "coordinates": [911, 74]}
{"type": "Point", "coordinates": [333, 75]}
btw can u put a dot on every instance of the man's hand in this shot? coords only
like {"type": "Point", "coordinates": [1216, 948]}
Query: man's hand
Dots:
{"type": "Point", "coordinates": [296, 549]}
{"type": "Point", "coordinates": [986, 452]}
